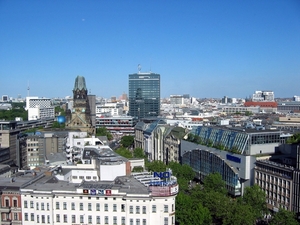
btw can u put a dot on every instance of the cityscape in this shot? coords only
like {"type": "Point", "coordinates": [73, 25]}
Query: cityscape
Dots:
{"type": "Point", "coordinates": [149, 113]}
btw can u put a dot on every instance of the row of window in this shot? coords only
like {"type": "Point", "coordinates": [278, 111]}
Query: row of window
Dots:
{"type": "Point", "coordinates": [86, 178]}
{"type": "Point", "coordinates": [64, 219]}
{"type": "Point", "coordinates": [7, 203]}
{"type": "Point", "coordinates": [81, 208]}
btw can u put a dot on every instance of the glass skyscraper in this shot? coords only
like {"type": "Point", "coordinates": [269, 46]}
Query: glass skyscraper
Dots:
{"type": "Point", "coordinates": [144, 95]}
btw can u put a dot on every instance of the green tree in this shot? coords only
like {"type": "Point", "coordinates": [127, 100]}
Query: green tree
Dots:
{"type": "Point", "coordinates": [214, 182]}
{"type": "Point", "coordinates": [156, 166]}
{"type": "Point", "coordinates": [124, 152]}
{"type": "Point", "coordinates": [294, 139]}
{"type": "Point", "coordinates": [284, 217]}
{"type": "Point", "coordinates": [255, 197]}
{"type": "Point", "coordinates": [58, 125]}
{"type": "Point", "coordinates": [239, 214]}
{"type": "Point", "coordinates": [189, 213]}
{"type": "Point", "coordinates": [102, 131]}
{"type": "Point", "coordinates": [59, 111]}
{"type": "Point", "coordinates": [248, 113]}
{"type": "Point", "coordinates": [138, 153]}
{"type": "Point", "coordinates": [138, 169]}
{"type": "Point", "coordinates": [127, 141]}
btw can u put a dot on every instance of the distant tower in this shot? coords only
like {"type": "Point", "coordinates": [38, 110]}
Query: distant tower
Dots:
{"type": "Point", "coordinates": [28, 89]}
{"type": "Point", "coordinates": [80, 116]}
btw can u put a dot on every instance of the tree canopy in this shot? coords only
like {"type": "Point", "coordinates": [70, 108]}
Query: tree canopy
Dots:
{"type": "Point", "coordinates": [102, 131]}
{"type": "Point", "coordinates": [127, 141]}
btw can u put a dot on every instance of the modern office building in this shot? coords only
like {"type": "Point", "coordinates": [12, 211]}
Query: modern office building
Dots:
{"type": "Point", "coordinates": [39, 108]}
{"type": "Point", "coordinates": [144, 95]}
{"type": "Point", "coordinates": [116, 124]}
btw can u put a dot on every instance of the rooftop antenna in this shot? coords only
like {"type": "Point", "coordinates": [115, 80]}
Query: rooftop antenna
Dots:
{"type": "Point", "coordinates": [139, 68]}
{"type": "Point", "coordinates": [28, 89]}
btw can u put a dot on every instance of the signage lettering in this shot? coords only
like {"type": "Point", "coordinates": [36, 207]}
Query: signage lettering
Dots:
{"type": "Point", "coordinates": [162, 174]}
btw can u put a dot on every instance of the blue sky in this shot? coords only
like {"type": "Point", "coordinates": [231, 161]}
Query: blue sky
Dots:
{"type": "Point", "coordinates": [205, 48]}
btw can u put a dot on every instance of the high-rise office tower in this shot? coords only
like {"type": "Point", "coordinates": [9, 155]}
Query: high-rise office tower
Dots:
{"type": "Point", "coordinates": [144, 95]}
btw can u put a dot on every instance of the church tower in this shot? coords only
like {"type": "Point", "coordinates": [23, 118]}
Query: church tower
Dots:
{"type": "Point", "coordinates": [79, 117]}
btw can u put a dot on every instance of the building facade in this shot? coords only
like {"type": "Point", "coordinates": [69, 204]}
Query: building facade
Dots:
{"type": "Point", "coordinates": [39, 108]}
{"type": "Point", "coordinates": [144, 95]}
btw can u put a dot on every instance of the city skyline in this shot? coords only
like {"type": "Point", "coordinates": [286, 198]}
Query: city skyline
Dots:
{"type": "Point", "coordinates": [202, 48]}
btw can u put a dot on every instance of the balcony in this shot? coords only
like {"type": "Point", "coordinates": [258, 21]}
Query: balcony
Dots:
{"type": "Point", "coordinates": [6, 221]}
{"type": "Point", "coordinates": [5, 210]}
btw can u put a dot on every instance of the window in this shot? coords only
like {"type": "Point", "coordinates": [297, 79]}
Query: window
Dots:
{"type": "Point", "coordinates": [166, 222]}
{"type": "Point", "coordinates": [144, 209]}
{"type": "Point", "coordinates": [154, 208]}
{"type": "Point", "coordinates": [115, 220]}
{"type": "Point", "coordinates": [131, 221]}
{"type": "Point", "coordinates": [26, 216]}
{"type": "Point", "coordinates": [106, 220]}
{"type": "Point", "coordinates": [65, 205]}
{"type": "Point", "coordinates": [98, 219]}
{"type": "Point", "coordinates": [144, 222]}
{"type": "Point", "coordinates": [31, 204]}
{"type": "Point", "coordinates": [37, 218]}
{"type": "Point", "coordinates": [74, 177]}
{"type": "Point", "coordinates": [32, 216]}
{"type": "Point", "coordinates": [90, 206]}
{"type": "Point", "coordinates": [48, 206]}
{"type": "Point", "coordinates": [81, 177]}
{"type": "Point", "coordinates": [105, 207]}
{"type": "Point", "coordinates": [137, 222]}
{"type": "Point", "coordinates": [137, 209]}
{"type": "Point", "coordinates": [6, 202]}
{"type": "Point", "coordinates": [123, 208]}
{"type": "Point", "coordinates": [48, 219]}
{"type": "Point", "coordinates": [37, 206]}
{"type": "Point", "coordinates": [65, 218]}
{"type": "Point", "coordinates": [15, 216]}
{"type": "Point", "coordinates": [57, 218]}
{"type": "Point", "coordinates": [81, 206]}
{"type": "Point", "coordinates": [123, 220]}
{"type": "Point", "coordinates": [25, 204]}
{"type": "Point", "coordinates": [43, 219]}
{"type": "Point", "coordinates": [88, 177]}
{"type": "Point", "coordinates": [81, 219]}
{"type": "Point", "coordinates": [73, 219]}
{"type": "Point", "coordinates": [15, 202]}
{"type": "Point", "coordinates": [42, 206]}
{"type": "Point", "coordinates": [166, 208]}
{"type": "Point", "coordinates": [57, 205]}
{"type": "Point", "coordinates": [98, 207]}
{"type": "Point", "coordinates": [131, 209]}
{"type": "Point", "coordinates": [90, 219]}
{"type": "Point", "coordinates": [73, 206]}
{"type": "Point", "coordinates": [115, 207]}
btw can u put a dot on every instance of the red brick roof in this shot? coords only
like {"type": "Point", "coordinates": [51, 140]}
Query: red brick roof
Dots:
{"type": "Point", "coordinates": [261, 104]}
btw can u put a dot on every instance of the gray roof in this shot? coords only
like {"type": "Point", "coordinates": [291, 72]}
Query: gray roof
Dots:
{"type": "Point", "coordinates": [79, 83]}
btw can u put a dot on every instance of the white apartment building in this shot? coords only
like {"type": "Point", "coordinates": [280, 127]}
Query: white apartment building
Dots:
{"type": "Point", "coordinates": [39, 108]}
{"type": "Point", "coordinates": [109, 108]}
{"type": "Point", "coordinates": [128, 200]}
{"type": "Point", "coordinates": [176, 100]}
{"type": "Point", "coordinates": [260, 96]}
